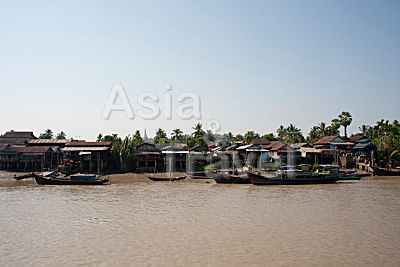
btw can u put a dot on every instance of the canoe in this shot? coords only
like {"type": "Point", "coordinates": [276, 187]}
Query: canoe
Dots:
{"type": "Point", "coordinates": [292, 179]}
{"type": "Point", "coordinates": [228, 178]}
{"type": "Point", "coordinates": [57, 180]}
{"type": "Point", "coordinates": [162, 179]}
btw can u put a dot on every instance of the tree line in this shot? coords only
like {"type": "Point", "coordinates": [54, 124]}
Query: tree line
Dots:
{"type": "Point", "coordinates": [384, 134]}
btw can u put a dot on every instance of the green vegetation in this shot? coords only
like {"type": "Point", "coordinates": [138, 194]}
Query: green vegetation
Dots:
{"type": "Point", "coordinates": [386, 136]}
{"type": "Point", "coordinates": [48, 134]}
{"type": "Point", "coordinates": [290, 134]}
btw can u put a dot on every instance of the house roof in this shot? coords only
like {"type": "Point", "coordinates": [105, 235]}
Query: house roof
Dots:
{"type": "Point", "coordinates": [299, 145]}
{"type": "Point", "coordinates": [17, 134]}
{"type": "Point", "coordinates": [364, 145]}
{"type": "Point", "coordinates": [87, 148]}
{"type": "Point", "coordinates": [260, 142]}
{"type": "Point", "coordinates": [87, 144]}
{"type": "Point", "coordinates": [357, 138]}
{"type": "Point", "coordinates": [309, 150]}
{"type": "Point", "coordinates": [32, 149]}
{"type": "Point", "coordinates": [3, 146]}
{"type": "Point", "coordinates": [47, 141]}
{"type": "Point", "coordinates": [271, 144]}
{"type": "Point", "coordinates": [245, 147]}
{"type": "Point", "coordinates": [327, 140]}
{"type": "Point", "coordinates": [12, 141]}
{"type": "Point", "coordinates": [173, 147]}
{"type": "Point", "coordinates": [198, 148]}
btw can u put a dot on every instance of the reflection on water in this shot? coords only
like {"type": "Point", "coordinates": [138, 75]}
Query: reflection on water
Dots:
{"type": "Point", "coordinates": [137, 222]}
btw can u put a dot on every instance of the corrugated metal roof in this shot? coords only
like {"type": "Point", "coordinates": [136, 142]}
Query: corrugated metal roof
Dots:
{"type": "Point", "coordinates": [325, 140]}
{"type": "Point", "coordinates": [310, 150]}
{"type": "Point", "coordinates": [243, 147]}
{"type": "Point", "coordinates": [47, 141]}
{"type": "Point", "coordinates": [32, 149]}
{"type": "Point", "coordinates": [87, 144]}
{"type": "Point", "coordinates": [16, 134]}
{"type": "Point", "coordinates": [88, 148]}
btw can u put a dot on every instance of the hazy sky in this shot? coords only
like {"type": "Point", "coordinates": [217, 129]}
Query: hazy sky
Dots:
{"type": "Point", "coordinates": [254, 64]}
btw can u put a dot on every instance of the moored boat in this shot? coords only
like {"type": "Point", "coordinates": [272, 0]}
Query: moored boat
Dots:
{"type": "Point", "coordinates": [161, 179]}
{"type": "Point", "coordinates": [76, 180]}
{"type": "Point", "coordinates": [291, 178]}
{"type": "Point", "coordinates": [198, 175]}
{"type": "Point", "coordinates": [385, 172]}
{"type": "Point", "coordinates": [352, 176]}
{"type": "Point", "coordinates": [229, 178]}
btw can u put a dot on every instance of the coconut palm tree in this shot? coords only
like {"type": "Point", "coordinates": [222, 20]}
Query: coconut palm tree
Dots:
{"type": "Point", "coordinates": [198, 130]}
{"type": "Point", "coordinates": [293, 134]}
{"type": "Point", "coordinates": [48, 134]}
{"type": "Point", "coordinates": [61, 135]}
{"type": "Point", "coordinates": [322, 129]}
{"type": "Point", "coordinates": [345, 120]}
{"type": "Point", "coordinates": [281, 132]}
{"type": "Point", "coordinates": [160, 134]}
{"type": "Point", "coordinates": [176, 134]}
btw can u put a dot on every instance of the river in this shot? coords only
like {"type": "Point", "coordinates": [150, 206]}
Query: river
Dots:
{"type": "Point", "coordinates": [134, 221]}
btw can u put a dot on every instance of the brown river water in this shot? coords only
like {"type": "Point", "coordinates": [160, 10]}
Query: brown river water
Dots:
{"type": "Point", "coordinates": [135, 221]}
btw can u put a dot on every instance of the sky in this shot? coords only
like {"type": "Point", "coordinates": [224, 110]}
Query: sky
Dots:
{"type": "Point", "coordinates": [255, 65]}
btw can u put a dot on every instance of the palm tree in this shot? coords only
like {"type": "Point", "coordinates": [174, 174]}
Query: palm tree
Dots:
{"type": "Point", "coordinates": [138, 137]}
{"type": "Point", "coordinates": [345, 120]}
{"type": "Point", "coordinates": [61, 135]}
{"type": "Point", "coordinates": [249, 136]}
{"type": "Point", "coordinates": [209, 136]}
{"type": "Point", "coordinates": [198, 130]}
{"type": "Point", "coordinates": [160, 134]}
{"type": "Point", "coordinates": [293, 134]}
{"type": "Point", "coordinates": [177, 134]}
{"type": "Point", "coordinates": [230, 136]}
{"type": "Point", "coordinates": [281, 132]}
{"type": "Point", "coordinates": [322, 129]}
{"type": "Point", "coordinates": [48, 134]}
{"type": "Point", "coordinates": [314, 134]}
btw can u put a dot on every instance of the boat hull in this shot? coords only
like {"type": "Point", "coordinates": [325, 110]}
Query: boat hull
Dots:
{"type": "Point", "coordinates": [257, 179]}
{"type": "Point", "coordinates": [67, 181]}
{"type": "Point", "coordinates": [224, 178]}
{"type": "Point", "coordinates": [166, 179]}
{"type": "Point", "coordinates": [385, 172]}
{"type": "Point", "coordinates": [198, 175]}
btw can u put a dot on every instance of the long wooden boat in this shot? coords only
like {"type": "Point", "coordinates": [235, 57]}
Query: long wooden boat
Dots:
{"type": "Point", "coordinates": [291, 178]}
{"type": "Point", "coordinates": [353, 176]}
{"type": "Point", "coordinates": [58, 180]}
{"type": "Point", "coordinates": [198, 175]}
{"type": "Point", "coordinates": [229, 178]}
{"type": "Point", "coordinates": [385, 172]}
{"type": "Point", "coordinates": [163, 179]}
{"type": "Point", "coordinates": [25, 176]}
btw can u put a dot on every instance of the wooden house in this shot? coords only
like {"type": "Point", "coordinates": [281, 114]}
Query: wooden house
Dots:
{"type": "Point", "coordinates": [148, 158]}
{"type": "Point", "coordinates": [88, 156]}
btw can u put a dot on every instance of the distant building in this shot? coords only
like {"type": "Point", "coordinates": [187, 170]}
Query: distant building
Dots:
{"type": "Point", "coordinates": [24, 158]}
{"type": "Point", "coordinates": [285, 154]}
{"type": "Point", "coordinates": [16, 138]}
{"type": "Point", "coordinates": [88, 156]}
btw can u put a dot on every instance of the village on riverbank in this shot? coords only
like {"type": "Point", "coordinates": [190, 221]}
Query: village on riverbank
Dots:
{"type": "Point", "coordinates": [22, 151]}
